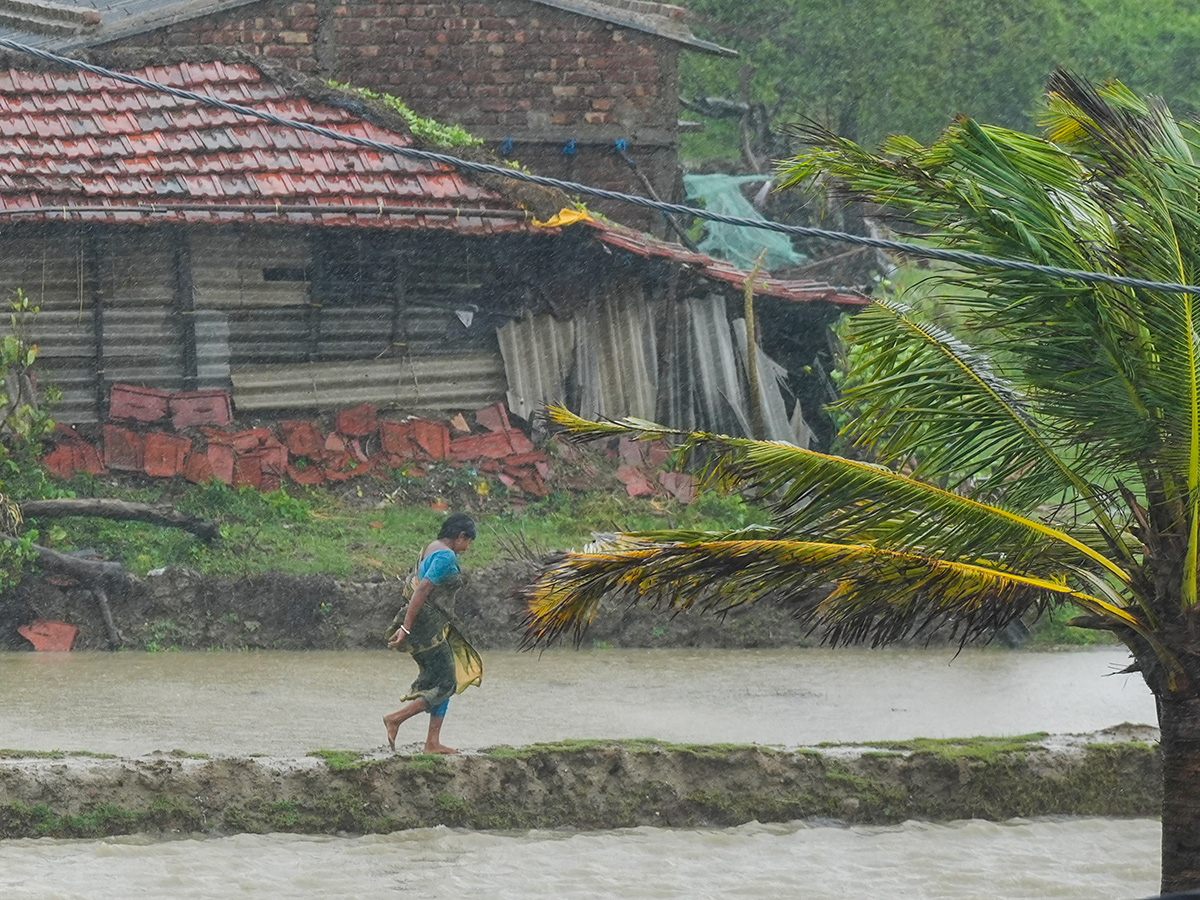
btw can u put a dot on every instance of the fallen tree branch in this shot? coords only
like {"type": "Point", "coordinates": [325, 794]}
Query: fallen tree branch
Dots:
{"type": "Point", "coordinates": [121, 511]}
{"type": "Point", "coordinates": [85, 570]}
{"type": "Point", "coordinates": [110, 627]}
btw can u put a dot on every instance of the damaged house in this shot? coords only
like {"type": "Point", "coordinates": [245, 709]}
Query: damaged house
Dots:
{"type": "Point", "coordinates": [180, 247]}
{"type": "Point", "coordinates": [557, 84]}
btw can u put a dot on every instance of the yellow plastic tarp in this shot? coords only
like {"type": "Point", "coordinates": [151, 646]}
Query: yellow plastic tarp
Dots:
{"type": "Point", "coordinates": [564, 217]}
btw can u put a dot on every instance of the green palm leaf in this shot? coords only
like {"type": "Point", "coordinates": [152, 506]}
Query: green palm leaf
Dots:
{"type": "Point", "coordinates": [817, 494]}
{"type": "Point", "coordinates": [876, 594]}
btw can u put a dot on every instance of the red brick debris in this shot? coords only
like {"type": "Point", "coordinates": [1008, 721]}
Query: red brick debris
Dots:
{"type": "Point", "coordinates": [49, 636]}
{"type": "Point", "coordinates": [360, 442]}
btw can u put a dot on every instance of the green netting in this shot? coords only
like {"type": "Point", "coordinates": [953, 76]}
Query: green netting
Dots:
{"type": "Point", "coordinates": [721, 193]}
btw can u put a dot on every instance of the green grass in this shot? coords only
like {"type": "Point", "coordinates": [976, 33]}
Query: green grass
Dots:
{"type": "Point", "coordinates": [962, 748]}
{"type": "Point", "coordinates": [303, 531]}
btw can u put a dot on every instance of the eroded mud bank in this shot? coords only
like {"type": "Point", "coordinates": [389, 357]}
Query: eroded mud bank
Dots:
{"type": "Point", "coordinates": [586, 785]}
{"type": "Point", "coordinates": [184, 610]}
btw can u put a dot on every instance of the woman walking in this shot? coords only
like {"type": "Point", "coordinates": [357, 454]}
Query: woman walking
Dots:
{"type": "Point", "coordinates": [426, 628]}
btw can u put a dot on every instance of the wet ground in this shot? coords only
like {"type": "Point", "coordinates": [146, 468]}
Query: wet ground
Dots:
{"type": "Point", "coordinates": [288, 703]}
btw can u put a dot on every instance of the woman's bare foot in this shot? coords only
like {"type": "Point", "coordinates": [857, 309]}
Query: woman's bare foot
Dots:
{"type": "Point", "coordinates": [440, 748]}
{"type": "Point", "coordinates": [392, 728]}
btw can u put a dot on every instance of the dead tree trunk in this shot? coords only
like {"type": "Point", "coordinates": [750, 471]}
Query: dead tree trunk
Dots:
{"type": "Point", "coordinates": [103, 577]}
{"type": "Point", "coordinates": [121, 511]}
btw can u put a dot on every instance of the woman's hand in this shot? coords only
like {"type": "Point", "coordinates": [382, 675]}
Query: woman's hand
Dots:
{"type": "Point", "coordinates": [397, 638]}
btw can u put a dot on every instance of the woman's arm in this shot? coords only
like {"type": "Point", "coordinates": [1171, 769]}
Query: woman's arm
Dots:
{"type": "Point", "coordinates": [410, 615]}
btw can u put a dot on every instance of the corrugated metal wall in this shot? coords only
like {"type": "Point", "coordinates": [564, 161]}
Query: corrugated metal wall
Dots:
{"type": "Point", "coordinates": [293, 319]}
{"type": "Point", "coordinates": [51, 269]}
{"type": "Point", "coordinates": [260, 282]}
{"type": "Point", "coordinates": [539, 352]}
{"type": "Point", "coordinates": [143, 337]}
{"type": "Point", "coordinates": [444, 382]}
{"type": "Point", "coordinates": [603, 362]}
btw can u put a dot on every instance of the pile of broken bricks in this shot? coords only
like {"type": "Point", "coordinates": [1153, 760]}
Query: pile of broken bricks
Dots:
{"type": "Point", "coordinates": [191, 434]}
{"type": "Point", "coordinates": [137, 439]}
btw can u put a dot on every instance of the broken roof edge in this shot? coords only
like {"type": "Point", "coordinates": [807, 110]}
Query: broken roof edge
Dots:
{"type": "Point", "coordinates": [712, 269]}
{"type": "Point", "coordinates": [656, 24]}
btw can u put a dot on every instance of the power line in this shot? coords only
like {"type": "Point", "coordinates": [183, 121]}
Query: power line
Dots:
{"type": "Point", "coordinates": [953, 256]}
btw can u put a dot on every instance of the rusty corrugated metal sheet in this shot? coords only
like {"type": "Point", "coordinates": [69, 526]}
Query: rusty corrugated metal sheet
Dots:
{"type": "Point", "coordinates": [538, 353]}
{"type": "Point", "coordinates": [450, 382]}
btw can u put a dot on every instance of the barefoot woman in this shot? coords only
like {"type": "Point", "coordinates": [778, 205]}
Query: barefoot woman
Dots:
{"type": "Point", "coordinates": [426, 629]}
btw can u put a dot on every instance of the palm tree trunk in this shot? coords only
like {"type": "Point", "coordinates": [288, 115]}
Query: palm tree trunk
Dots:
{"type": "Point", "coordinates": [1179, 722]}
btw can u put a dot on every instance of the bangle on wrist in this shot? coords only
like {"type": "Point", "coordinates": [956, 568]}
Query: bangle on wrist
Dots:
{"type": "Point", "coordinates": [405, 630]}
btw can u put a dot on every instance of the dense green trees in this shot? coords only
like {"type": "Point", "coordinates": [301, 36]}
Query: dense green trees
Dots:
{"type": "Point", "coordinates": [869, 68]}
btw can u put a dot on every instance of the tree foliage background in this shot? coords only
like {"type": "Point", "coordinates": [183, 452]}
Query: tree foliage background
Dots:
{"type": "Point", "coordinates": [870, 68]}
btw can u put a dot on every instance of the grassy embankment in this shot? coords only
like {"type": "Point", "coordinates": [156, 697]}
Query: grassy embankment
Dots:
{"type": "Point", "coordinates": [305, 531]}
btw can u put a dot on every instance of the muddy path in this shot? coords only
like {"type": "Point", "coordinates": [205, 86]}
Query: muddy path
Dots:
{"type": "Point", "coordinates": [582, 785]}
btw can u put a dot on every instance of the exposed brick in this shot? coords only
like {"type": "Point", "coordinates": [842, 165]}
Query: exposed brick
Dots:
{"type": "Point", "coordinates": [197, 468]}
{"type": "Point", "coordinates": [60, 462]}
{"type": "Point", "coordinates": [88, 460]}
{"type": "Point", "coordinates": [192, 408]}
{"type": "Point", "coordinates": [358, 421]}
{"type": "Point", "coordinates": [247, 470]}
{"type": "Point", "coordinates": [140, 404]}
{"type": "Point", "coordinates": [221, 458]}
{"type": "Point", "coordinates": [49, 636]}
{"type": "Point", "coordinates": [122, 449]}
{"type": "Point", "coordinates": [303, 438]}
{"type": "Point", "coordinates": [494, 417]}
{"type": "Point", "coordinates": [399, 439]}
{"type": "Point", "coordinates": [432, 437]}
{"type": "Point", "coordinates": [163, 454]}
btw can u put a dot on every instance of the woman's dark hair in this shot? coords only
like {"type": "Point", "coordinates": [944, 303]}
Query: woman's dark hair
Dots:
{"type": "Point", "coordinates": [456, 524]}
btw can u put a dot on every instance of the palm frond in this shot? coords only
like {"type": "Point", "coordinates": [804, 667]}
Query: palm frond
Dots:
{"type": "Point", "coordinates": [923, 394]}
{"type": "Point", "coordinates": [812, 493]}
{"type": "Point", "coordinates": [851, 592]}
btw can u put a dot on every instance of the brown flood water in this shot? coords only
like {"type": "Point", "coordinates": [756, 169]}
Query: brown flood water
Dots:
{"type": "Point", "coordinates": [286, 704]}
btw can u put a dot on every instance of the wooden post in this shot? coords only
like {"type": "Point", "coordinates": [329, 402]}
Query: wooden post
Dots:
{"type": "Point", "coordinates": [98, 266]}
{"type": "Point", "coordinates": [185, 307]}
{"type": "Point", "coordinates": [317, 289]}
{"type": "Point", "coordinates": [757, 420]}
{"type": "Point", "coordinates": [399, 307]}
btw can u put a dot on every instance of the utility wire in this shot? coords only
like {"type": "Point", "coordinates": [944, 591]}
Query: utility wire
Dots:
{"type": "Point", "coordinates": [954, 256]}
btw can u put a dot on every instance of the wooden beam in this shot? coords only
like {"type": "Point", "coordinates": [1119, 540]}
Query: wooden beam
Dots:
{"type": "Point", "coordinates": [97, 253]}
{"type": "Point", "coordinates": [184, 306]}
{"type": "Point", "coordinates": [317, 290]}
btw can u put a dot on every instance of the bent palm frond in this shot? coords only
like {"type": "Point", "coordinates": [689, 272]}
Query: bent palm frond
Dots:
{"type": "Point", "coordinates": [810, 493]}
{"type": "Point", "coordinates": [853, 592]}
{"type": "Point", "coordinates": [923, 394]}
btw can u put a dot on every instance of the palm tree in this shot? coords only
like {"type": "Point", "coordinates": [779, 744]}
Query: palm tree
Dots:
{"type": "Point", "coordinates": [1053, 460]}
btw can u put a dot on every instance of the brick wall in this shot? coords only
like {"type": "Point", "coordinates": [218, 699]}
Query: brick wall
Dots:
{"type": "Point", "coordinates": [501, 68]}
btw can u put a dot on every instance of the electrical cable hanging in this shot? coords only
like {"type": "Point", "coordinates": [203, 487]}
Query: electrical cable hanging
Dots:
{"type": "Point", "coordinates": [953, 256]}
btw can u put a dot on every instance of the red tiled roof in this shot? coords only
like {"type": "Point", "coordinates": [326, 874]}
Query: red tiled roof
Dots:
{"type": "Point", "coordinates": [795, 291]}
{"type": "Point", "coordinates": [79, 147]}
{"type": "Point", "coordinates": [113, 152]}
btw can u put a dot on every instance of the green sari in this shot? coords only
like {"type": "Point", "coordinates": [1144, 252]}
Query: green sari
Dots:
{"type": "Point", "coordinates": [448, 663]}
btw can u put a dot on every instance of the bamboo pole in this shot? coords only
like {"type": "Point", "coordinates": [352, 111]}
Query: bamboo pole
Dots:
{"type": "Point", "coordinates": [757, 420]}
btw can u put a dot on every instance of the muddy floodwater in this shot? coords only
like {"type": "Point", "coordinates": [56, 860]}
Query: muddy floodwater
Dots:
{"type": "Point", "coordinates": [287, 704]}
{"type": "Point", "coordinates": [1086, 859]}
